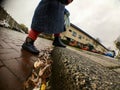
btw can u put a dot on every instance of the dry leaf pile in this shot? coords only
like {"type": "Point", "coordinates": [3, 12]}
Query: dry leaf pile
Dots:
{"type": "Point", "coordinates": [41, 71]}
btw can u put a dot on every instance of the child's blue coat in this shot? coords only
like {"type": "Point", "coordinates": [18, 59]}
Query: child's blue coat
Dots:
{"type": "Point", "coordinates": [49, 17]}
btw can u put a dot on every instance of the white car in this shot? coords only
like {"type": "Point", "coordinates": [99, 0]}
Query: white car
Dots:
{"type": "Point", "coordinates": [4, 24]}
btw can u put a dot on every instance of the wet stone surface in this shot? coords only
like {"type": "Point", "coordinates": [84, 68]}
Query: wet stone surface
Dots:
{"type": "Point", "coordinates": [15, 63]}
{"type": "Point", "coordinates": [70, 70]}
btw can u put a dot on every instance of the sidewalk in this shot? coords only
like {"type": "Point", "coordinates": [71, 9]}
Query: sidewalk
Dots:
{"type": "Point", "coordinates": [16, 64]}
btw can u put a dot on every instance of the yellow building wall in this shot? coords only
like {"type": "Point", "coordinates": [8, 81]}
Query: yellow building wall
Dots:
{"type": "Point", "coordinates": [84, 38]}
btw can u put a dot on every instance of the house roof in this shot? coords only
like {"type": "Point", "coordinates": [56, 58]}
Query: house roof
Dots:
{"type": "Point", "coordinates": [87, 34]}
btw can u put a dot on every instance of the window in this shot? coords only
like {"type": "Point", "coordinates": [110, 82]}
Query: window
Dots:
{"type": "Point", "coordinates": [80, 37]}
{"type": "Point", "coordinates": [70, 30]}
{"type": "Point", "coordinates": [74, 34]}
{"type": "Point", "coordinates": [87, 39]}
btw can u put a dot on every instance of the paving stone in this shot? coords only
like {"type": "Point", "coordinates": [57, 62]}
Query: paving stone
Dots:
{"type": "Point", "coordinates": [16, 64]}
{"type": "Point", "coordinates": [18, 42]}
{"type": "Point", "coordinates": [4, 45]}
{"type": "Point", "coordinates": [28, 56]}
{"type": "Point", "coordinates": [1, 64]}
{"type": "Point", "coordinates": [9, 56]}
{"type": "Point", "coordinates": [8, 81]}
{"type": "Point", "coordinates": [20, 69]}
{"type": "Point", "coordinates": [8, 40]}
{"type": "Point", "coordinates": [6, 50]}
{"type": "Point", "coordinates": [13, 46]}
{"type": "Point", "coordinates": [1, 46]}
{"type": "Point", "coordinates": [42, 44]}
{"type": "Point", "coordinates": [25, 61]}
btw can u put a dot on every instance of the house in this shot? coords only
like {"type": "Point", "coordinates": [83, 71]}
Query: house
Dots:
{"type": "Point", "coordinates": [77, 37]}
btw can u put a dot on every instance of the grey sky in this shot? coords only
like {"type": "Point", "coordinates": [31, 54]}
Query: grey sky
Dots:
{"type": "Point", "coordinates": [99, 18]}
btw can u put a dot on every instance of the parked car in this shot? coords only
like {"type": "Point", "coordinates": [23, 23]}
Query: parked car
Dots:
{"type": "Point", "coordinates": [110, 53]}
{"type": "Point", "coordinates": [4, 24]}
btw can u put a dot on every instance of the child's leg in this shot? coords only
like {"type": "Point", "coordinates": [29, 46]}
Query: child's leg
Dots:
{"type": "Point", "coordinates": [57, 35]}
{"type": "Point", "coordinates": [33, 34]}
{"type": "Point", "coordinates": [29, 42]}
{"type": "Point", "coordinates": [57, 41]}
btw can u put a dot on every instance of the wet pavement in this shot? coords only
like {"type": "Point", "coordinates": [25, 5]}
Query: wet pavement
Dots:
{"type": "Point", "coordinates": [15, 63]}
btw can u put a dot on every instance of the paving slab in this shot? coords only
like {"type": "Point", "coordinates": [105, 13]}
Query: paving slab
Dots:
{"type": "Point", "coordinates": [19, 69]}
{"type": "Point", "coordinates": [16, 64]}
{"type": "Point", "coordinates": [1, 64]}
{"type": "Point", "coordinates": [8, 81]}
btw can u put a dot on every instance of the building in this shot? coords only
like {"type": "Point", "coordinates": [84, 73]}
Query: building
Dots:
{"type": "Point", "coordinates": [7, 21]}
{"type": "Point", "coordinates": [77, 37]}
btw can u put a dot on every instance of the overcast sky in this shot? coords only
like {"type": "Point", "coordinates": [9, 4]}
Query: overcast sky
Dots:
{"type": "Point", "coordinates": [99, 18]}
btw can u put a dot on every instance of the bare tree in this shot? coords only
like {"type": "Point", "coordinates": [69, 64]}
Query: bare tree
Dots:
{"type": "Point", "coordinates": [24, 28]}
